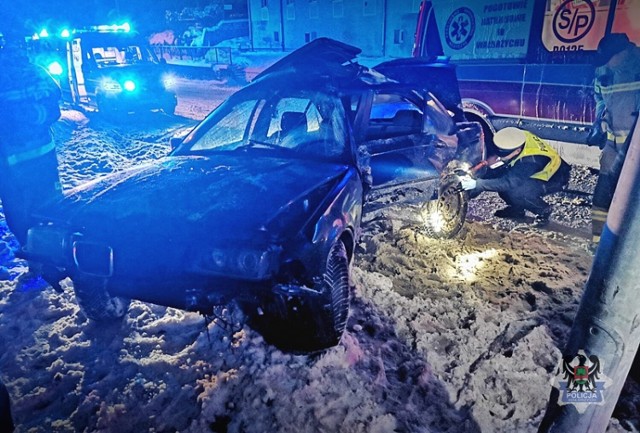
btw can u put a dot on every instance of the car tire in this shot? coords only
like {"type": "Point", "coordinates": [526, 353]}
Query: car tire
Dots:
{"type": "Point", "coordinates": [96, 302]}
{"type": "Point", "coordinates": [444, 216]}
{"type": "Point", "coordinates": [311, 323]}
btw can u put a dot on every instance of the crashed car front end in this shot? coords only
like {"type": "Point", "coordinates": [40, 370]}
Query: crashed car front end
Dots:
{"type": "Point", "coordinates": [216, 242]}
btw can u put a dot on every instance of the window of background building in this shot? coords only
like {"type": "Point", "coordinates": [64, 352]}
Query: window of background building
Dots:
{"type": "Point", "coordinates": [338, 9]}
{"type": "Point", "coordinates": [369, 8]}
{"type": "Point", "coordinates": [291, 10]}
{"type": "Point", "coordinates": [398, 36]}
{"type": "Point", "coordinates": [264, 10]}
{"type": "Point", "coordinates": [313, 9]}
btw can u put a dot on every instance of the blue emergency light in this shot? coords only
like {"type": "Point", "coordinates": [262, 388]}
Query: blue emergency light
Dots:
{"type": "Point", "coordinates": [129, 85]}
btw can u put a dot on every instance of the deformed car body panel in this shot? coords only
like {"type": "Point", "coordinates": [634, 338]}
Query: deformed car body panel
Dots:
{"type": "Point", "coordinates": [261, 197]}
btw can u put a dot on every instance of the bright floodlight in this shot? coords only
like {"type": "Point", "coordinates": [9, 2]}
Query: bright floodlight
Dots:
{"type": "Point", "coordinates": [65, 33]}
{"type": "Point", "coordinates": [130, 85]}
{"type": "Point", "coordinates": [43, 33]}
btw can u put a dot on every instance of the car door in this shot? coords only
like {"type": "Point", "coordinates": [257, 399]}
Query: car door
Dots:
{"type": "Point", "coordinates": [402, 141]}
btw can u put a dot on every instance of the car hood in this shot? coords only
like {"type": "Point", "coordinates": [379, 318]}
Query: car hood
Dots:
{"type": "Point", "coordinates": [219, 196]}
{"type": "Point", "coordinates": [146, 71]}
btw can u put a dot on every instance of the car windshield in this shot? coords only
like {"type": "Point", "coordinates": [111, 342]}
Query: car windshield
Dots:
{"type": "Point", "coordinates": [120, 55]}
{"type": "Point", "coordinates": [301, 124]}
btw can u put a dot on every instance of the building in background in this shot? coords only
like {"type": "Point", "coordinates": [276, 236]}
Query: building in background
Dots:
{"type": "Point", "coordinates": [382, 28]}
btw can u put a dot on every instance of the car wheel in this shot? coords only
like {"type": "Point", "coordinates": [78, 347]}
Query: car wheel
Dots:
{"type": "Point", "coordinates": [311, 323]}
{"type": "Point", "coordinates": [444, 217]}
{"type": "Point", "coordinates": [96, 302]}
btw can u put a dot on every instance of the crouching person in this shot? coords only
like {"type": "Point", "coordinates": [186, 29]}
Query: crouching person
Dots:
{"type": "Point", "coordinates": [531, 169]}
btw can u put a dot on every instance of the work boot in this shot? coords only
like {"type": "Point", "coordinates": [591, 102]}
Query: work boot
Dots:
{"type": "Point", "coordinates": [542, 219]}
{"type": "Point", "coordinates": [510, 212]}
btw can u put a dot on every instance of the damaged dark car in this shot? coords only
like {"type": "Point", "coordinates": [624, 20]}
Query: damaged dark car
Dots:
{"type": "Point", "coordinates": [261, 204]}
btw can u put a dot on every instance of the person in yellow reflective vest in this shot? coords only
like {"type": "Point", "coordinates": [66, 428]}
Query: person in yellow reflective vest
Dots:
{"type": "Point", "coordinates": [29, 176]}
{"type": "Point", "coordinates": [531, 170]}
{"type": "Point", "coordinates": [617, 96]}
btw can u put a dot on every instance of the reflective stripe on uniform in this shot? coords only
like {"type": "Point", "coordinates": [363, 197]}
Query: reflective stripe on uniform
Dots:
{"type": "Point", "coordinates": [599, 215]}
{"type": "Point", "coordinates": [16, 158]}
{"type": "Point", "coordinates": [616, 138]}
{"type": "Point", "coordinates": [617, 88]}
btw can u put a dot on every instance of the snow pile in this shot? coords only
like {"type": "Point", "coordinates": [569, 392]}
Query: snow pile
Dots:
{"type": "Point", "coordinates": [444, 336]}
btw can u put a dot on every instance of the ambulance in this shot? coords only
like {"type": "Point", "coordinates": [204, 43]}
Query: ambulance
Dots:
{"type": "Point", "coordinates": [107, 68]}
{"type": "Point", "coordinates": [527, 63]}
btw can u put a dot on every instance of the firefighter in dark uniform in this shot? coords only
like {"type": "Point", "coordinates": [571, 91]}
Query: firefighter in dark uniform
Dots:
{"type": "Point", "coordinates": [531, 169]}
{"type": "Point", "coordinates": [6, 421]}
{"type": "Point", "coordinates": [617, 95]}
{"type": "Point", "coordinates": [29, 99]}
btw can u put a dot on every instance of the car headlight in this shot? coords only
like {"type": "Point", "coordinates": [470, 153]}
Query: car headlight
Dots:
{"type": "Point", "coordinates": [245, 263]}
{"type": "Point", "coordinates": [169, 81]}
{"type": "Point", "coordinates": [129, 85]}
{"type": "Point", "coordinates": [55, 68]}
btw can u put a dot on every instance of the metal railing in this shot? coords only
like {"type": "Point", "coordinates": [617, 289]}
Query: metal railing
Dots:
{"type": "Point", "coordinates": [213, 55]}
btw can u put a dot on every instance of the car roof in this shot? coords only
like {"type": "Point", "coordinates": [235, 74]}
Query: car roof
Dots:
{"type": "Point", "coordinates": [330, 65]}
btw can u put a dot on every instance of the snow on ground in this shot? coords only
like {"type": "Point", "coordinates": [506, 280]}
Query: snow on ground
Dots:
{"type": "Point", "coordinates": [444, 335]}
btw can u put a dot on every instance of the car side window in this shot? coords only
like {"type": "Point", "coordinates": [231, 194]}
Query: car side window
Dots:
{"type": "Point", "coordinates": [309, 123]}
{"type": "Point", "coordinates": [393, 115]}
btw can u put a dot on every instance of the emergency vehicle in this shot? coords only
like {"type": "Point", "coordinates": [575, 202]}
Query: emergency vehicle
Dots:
{"type": "Point", "coordinates": [527, 63]}
{"type": "Point", "coordinates": [109, 68]}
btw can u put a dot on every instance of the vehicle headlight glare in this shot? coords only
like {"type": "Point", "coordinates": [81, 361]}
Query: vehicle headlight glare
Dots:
{"type": "Point", "coordinates": [130, 85]}
{"type": "Point", "coordinates": [55, 68]}
{"type": "Point", "coordinates": [169, 81]}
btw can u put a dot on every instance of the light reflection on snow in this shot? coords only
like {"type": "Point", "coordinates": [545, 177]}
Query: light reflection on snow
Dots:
{"type": "Point", "coordinates": [467, 265]}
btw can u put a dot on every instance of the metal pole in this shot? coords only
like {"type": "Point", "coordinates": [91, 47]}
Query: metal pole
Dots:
{"type": "Point", "coordinates": [608, 319]}
{"type": "Point", "coordinates": [282, 26]}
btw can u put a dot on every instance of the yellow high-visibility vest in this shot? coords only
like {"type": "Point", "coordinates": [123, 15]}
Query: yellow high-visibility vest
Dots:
{"type": "Point", "coordinates": [534, 146]}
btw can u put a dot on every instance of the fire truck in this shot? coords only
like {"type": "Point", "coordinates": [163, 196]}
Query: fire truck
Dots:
{"type": "Point", "coordinates": [107, 68]}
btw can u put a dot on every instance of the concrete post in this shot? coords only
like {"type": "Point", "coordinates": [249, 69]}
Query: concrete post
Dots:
{"type": "Point", "coordinates": [607, 323]}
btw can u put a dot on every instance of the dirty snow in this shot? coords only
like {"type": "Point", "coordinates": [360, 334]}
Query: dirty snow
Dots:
{"type": "Point", "coordinates": [444, 335]}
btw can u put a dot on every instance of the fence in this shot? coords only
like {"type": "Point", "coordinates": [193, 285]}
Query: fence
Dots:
{"type": "Point", "coordinates": [213, 55]}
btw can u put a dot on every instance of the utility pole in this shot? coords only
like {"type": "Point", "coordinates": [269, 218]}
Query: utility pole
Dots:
{"type": "Point", "coordinates": [607, 323]}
